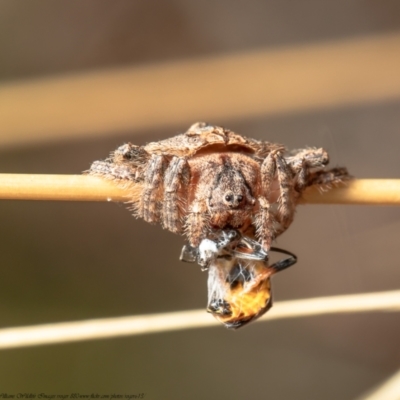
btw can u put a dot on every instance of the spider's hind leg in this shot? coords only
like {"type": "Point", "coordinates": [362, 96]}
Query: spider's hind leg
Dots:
{"type": "Point", "coordinates": [197, 222]}
{"type": "Point", "coordinates": [325, 179]}
{"type": "Point", "coordinates": [308, 164]}
{"type": "Point", "coordinates": [303, 161]}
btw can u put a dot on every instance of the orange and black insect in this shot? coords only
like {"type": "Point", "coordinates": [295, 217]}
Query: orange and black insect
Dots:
{"type": "Point", "coordinates": [239, 277]}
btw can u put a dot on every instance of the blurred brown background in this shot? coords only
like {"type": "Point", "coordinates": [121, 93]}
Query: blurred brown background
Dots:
{"type": "Point", "coordinates": [75, 261]}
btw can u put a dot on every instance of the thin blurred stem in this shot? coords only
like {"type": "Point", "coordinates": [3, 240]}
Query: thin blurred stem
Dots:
{"type": "Point", "coordinates": [290, 79]}
{"type": "Point", "coordinates": [89, 188]}
{"type": "Point", "coordinates": [153, 323]}
{"type": "Point", "coordinates": [59, 187]}
{"type": "Point", "coordinates": [388, 390]}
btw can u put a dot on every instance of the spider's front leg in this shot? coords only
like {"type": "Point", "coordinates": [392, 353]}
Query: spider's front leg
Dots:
{"type": "Point", "coordinates": [288, 195]}
{"type": "Point", "coordinates": [148, 207]}
{"type": "Point", "coordinates": [177, 177]}
{"type": "Point", "coordinates": [275, 166]}
{"type": "Point", "coordinates": [264, 219]}
{"type": "Point", "coordinates": [197, 222]}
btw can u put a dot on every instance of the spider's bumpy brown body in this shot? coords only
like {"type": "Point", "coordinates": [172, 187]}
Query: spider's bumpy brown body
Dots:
{"type": "Point", "coordinates": [211, 178]}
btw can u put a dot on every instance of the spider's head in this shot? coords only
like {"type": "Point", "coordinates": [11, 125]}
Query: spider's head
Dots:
{"type": "Point", "coordinates": [229, 192]}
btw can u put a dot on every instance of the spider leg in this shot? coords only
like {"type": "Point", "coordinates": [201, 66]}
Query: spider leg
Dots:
{"type": "Point", "coordinates": [303, 161]}
{"type": "Point", "coordinates": [264, 219]}
{"type": "Point", "coordinates": [271, 224]}
{"type": "Point", "coordinates": [324, 179]}
{"type": "Point", "coordinates": [148, 207]}
{"type": "Point", "coordinates": [173, 207]}
{"type": "Point", "coordinates": [197, 222]}
{"type": "Point", "coordinates": [286, 206]}
{"type": "Point", "coordinates": [108, 170]}
{"type": "Point", "coordinates": [265, 223]}
{"type": "Point", "coordinates": [306, 160]}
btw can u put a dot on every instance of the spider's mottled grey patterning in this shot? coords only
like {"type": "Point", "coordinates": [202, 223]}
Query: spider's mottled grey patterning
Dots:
{"type": "Point", "coordinates": [210, 179]}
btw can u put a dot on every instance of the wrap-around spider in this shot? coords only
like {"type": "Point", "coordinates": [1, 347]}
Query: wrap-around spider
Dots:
{"type": "Point", "coordinates": [210, 178]}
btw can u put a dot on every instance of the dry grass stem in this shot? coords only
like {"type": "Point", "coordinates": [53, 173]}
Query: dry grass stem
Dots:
{"type": "Point", "coordinates": [389, 390]}
{"type": "Point", "coordinates": [145, 324]}
{"type": "Point", "coordinates": [89, 188]}
{"type": "Point", "coordinates": [161, 96]}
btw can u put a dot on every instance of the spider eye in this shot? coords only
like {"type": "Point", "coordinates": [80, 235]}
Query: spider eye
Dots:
{"type": "Point", "coordinates": [229, 198]}
{"type": "Point", "coordinates": [239, 198]}
{"type": "Point", "coordinates": [128, 155]}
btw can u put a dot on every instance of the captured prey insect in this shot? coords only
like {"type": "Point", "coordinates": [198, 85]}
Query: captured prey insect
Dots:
{"type": "Point", "coordinates": [239, 276]}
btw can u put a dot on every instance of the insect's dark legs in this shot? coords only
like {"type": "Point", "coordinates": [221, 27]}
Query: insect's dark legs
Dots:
{"type": "Point", "coordinates": [286, 262]}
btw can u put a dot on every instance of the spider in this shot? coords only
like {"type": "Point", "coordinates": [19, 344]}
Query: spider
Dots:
{"type": "Point", "coordinates": [210, 179]}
